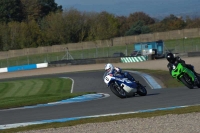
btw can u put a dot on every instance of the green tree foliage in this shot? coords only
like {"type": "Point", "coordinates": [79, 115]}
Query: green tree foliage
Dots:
{"type": "Point", "coordinates": [193, 23]}
{"type": "Point", "coordinates": [48, 6]}
{"type": "Point", "coordinates": [172, 22]}
{"type": "Point", "coordinates": [29, 35]}
{"type": "Point", "coordinates": [3, 29]}
{"type": "Point", "coordinates": [14, 36]}
{"type": "Point", "coordinates": [20, 10]}
{"type": "Point", "coordinates": [105, 26]}
{"type": "Point", "coordinates": [123, 25]}
{"type": "Point", "coordinates": [33, 23]}
{"type": "Point", "coordinates": [157, 27]}
{"type": "Point", "coordinates": [37, 9]}
{"type": "Point", "coordinates": [54, 29]}
{"type": "Point", "coordinates": [11, 10]}
{"type": "Point", "coordinates": [137, 28]}
{"type": "Point", "coordinates": [74, 23]}
{"type": "Point", "coordinates": [140, 16]}
{"type": "Point", "coordinates": [31, 9]}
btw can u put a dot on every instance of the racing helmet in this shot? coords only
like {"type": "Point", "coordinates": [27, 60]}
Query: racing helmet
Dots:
{"type": "Point", "coordinates": [109, 67]}
{"type": "Point", "coordinates": [170, 57]}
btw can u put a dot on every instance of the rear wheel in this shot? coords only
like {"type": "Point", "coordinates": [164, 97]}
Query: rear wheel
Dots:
{"type": "Point", "coordinates": [141, 90]}
{"type": "Point", "coordinates": [118, 91]}
{"type": "Point", "coordinates": [198, 85]}
{"type": "Point", "coordinates": [187, 81]}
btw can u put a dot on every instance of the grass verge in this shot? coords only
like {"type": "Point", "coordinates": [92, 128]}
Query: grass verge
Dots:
{"type": "Point", "coordinates": [34, 91]}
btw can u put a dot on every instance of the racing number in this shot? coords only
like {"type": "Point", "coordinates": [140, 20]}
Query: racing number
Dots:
{"type": "Point", "coordinates": [107, 78]}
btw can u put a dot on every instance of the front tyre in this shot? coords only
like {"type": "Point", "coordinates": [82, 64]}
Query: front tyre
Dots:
{"type": "Point", "coordinates": [186, 82]}
{"type": "Point", "coordinates": [117, 90]}
{"type": "Point", "coordinates": [141, 90]}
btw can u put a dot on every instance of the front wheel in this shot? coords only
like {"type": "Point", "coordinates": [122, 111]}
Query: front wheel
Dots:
{"type": "Point", "coordinates": [141, 90]}
{"type": "Point", "coordinates": [117, 90]}
{"type": "Point", "coordinates": [187, 82]}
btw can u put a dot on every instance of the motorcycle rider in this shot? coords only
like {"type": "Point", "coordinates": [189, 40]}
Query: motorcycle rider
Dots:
{"type": "Point", "coordinates": [173, 61]}
{"type": "Point", "coordinates": [116, 71]}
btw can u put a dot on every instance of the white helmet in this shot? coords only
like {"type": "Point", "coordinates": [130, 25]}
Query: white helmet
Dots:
{"type": "Point", "coordinates": [109, 67]}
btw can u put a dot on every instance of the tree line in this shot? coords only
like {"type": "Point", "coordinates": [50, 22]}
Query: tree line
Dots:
{"type": "Point", "coordinates": [34, 23]}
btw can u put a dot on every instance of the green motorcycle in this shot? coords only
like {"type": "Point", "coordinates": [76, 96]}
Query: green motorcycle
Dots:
{"type": "Point", "coordinates": [186, 76]}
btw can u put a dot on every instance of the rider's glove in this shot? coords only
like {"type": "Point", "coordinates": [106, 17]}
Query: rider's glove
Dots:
{"type": "Point", "coordinates": [118, 70]}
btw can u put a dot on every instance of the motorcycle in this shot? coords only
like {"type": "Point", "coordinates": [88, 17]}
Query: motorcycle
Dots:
{"type": "Point", "coordinates": [122, 87]}
{"type": "Point", "coordinates": [185, 76]}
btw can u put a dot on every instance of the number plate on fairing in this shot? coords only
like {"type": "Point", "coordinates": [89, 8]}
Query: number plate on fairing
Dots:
{"type": "Point", "coordinates": [107, 79]}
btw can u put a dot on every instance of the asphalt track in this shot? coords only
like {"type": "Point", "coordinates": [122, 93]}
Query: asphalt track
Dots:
{"type": "Point", "coordinates": [91, 81]}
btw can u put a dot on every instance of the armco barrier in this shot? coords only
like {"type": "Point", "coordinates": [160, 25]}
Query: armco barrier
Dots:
{"type": "Point", "coordinates": [99, 60]}
{"type": "Point", "coordinates": [75, 62]}
{"type": "Point", "coordinates": [193, 54]}
{"type": "Point", "coordinates": [84, 61]}
{"type": "Point", "coordinates": [24, 67]}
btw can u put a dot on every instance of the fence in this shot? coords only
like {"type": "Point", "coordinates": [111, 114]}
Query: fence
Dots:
{"type": "Point", "coordinates": [186, 40]}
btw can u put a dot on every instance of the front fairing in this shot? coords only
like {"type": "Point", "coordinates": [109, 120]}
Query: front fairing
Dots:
{"type": "Point", "coordinates": [179, 70]}
{"type": "Point", "coordinates": [105, 74]}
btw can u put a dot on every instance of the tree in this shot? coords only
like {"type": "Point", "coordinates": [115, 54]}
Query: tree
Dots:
{"type": "Point", "coordinates": [14, 35]}
{"type": "Point", "coordinates": [31, 9]}
{"type": "Point", "coordinates": [105, 26]}
{"type": "Point", "coordinates": [48, 6]}
{"type": "Point", "coordinates": [54, 29]}
{"type": "Point", "coordinates": [5, 39]}
{"type": "Point", "coordinates": [193, 23]}
{"type": "Point", "coordinates": [140, 16]}
{"type": "Point", "coordinates": [11, 10]}
{"type": "Point", "coordinates": [138, 28]}
{"type": "Point", "coordinates": [157, 27]}
{"type": "Point", "coordinates": [123, 25]}
{"type": "Point", "coordinates": [37, 9]}
{"type": "Point", "coordinates": [85, 22]}
{"type": "Point", "coordinates": [172, 22]}
{"type": "Point", "coordinates": [74, 24]}
{"type": "Point", "coordinates": [29, 35]}
{"type": "Point", "coordinates": [169, 18]}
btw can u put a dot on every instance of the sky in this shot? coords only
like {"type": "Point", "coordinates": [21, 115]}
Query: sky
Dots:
{"type": "Point", "coordinates": [88, 2]}
{"type": "Point", "coordinates": [154, 8]}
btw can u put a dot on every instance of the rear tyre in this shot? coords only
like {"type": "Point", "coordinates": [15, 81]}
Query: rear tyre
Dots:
{"type": "Point", "coordinates": [187, 82]}
{"type": "Point", "coordinates": [118, 91]}
{"type": "Point", "coordinates": [141, 90]}
{"type": "Point", "coordinates": [198, 85]}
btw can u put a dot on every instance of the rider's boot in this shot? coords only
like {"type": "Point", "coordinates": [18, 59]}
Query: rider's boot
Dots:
{"type": "Point", "coordinates": [132, 79]}
{"type": "Point", "coordinates": [136, 81]}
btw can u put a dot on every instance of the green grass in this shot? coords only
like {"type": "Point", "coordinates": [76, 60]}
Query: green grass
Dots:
{"type": "Point", "coordinates": [34, 91]}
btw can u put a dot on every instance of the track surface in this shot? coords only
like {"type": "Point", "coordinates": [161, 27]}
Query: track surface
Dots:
{"type": "Point", "coordinates": [92, 82]}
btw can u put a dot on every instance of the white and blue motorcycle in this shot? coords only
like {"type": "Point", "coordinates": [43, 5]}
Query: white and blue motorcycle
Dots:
{"type": "Point", "coordinates": [122, 87]}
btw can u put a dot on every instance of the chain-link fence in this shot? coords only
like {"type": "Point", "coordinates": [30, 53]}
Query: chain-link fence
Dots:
{"type": "Point", "coordinates": [184, 45]}
{"type": "Point", "coordinates": [177, 41]}
{"type": "Point", "coordinates": [176, 46]}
